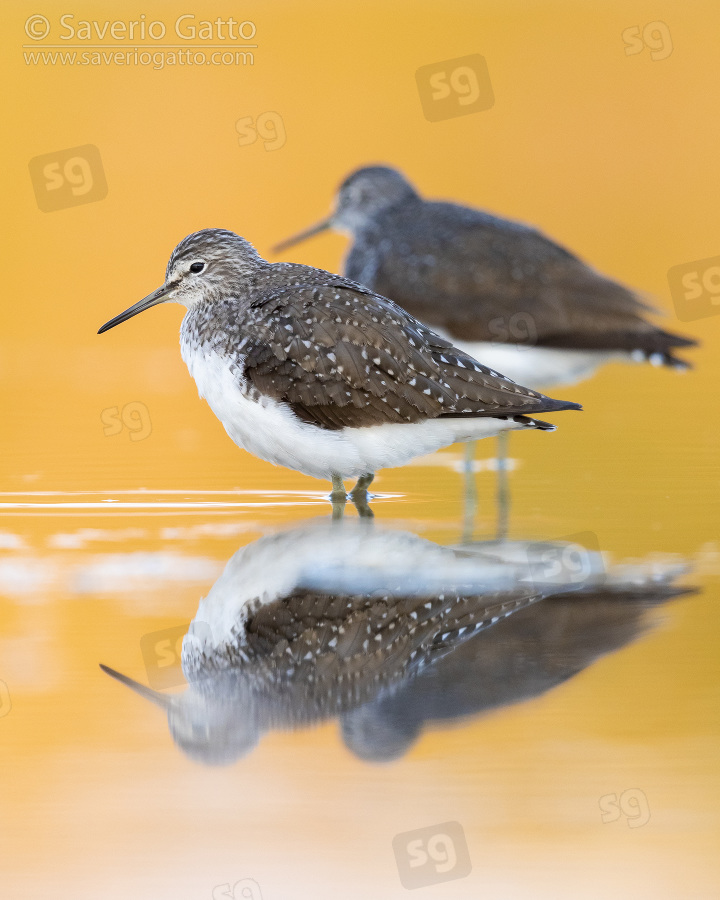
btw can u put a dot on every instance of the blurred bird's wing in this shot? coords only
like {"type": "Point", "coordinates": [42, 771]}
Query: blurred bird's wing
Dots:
{"type": "Point", "coordinates": [484, 278]}
{"type": "Point", "coordinates": [341, 356]}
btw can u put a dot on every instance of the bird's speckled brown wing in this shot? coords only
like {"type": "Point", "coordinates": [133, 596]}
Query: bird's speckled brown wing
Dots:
{"type": "Point", "coordinates": [333, 652]}
{"type": "Point", "coordinates": [336, 633]}
{"type": "Point", "coordinates": [342, 357]}
{"type": "Point", "coordinates": [482, 278]}
{"type": "Point", "coordinates": [521, 657]}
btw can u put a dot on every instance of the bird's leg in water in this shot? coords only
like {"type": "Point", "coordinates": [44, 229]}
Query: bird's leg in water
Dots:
{"type": "Point", "coordinates": [359, 496]}
{"type": "Point", "coordinates": [338, 497]}
{"type": "Point", "coordinates": [471, 496]}
{"type": "Point", "coordinates": [503, 486]}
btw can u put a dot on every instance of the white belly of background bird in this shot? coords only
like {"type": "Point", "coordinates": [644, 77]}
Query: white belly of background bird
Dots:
{"type": "Point", "coordinates": [539, 367]}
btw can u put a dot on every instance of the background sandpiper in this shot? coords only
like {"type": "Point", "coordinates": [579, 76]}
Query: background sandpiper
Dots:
{"type": "Point", "coordinates": [317, 373]}
{"type": "Point", "coordinates": [502, 291]}
{"type": "Point", "coordinates": [499, 290]}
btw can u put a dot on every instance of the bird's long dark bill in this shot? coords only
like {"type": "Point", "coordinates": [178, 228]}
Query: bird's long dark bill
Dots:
{"type": "Point", "coordinates": [148, 693]}
{"type": "Point", "coordinates": [303, 236]}
{"type": "Point", "coordinates": [151, 300]}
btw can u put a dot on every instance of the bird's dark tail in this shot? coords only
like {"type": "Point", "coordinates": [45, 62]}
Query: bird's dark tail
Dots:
{"type": "Point", "coordinates": [664, 358]}
{"type": "Point", "coordinates": [550, 405]}
{"type": "Point", "coordinates": [652, 345]}
{"type": "Point", "coordinates": [534, 423]}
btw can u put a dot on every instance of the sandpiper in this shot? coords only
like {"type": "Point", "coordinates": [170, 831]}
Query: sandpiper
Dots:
{"type": "Point", "coordinates": [313, 622]}
{"type": "Point", "coordinates": [385, 630]}
{"type": "Point", "coordinates": [500, 290]}
{"type": "Point", "coordinates": [315, 372]}
{"type": "Point", "coordinates": [537, 649]}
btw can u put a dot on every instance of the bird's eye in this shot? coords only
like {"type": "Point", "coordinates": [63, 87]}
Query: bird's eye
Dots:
{"type": "Point", "coordinates": [197, 267]}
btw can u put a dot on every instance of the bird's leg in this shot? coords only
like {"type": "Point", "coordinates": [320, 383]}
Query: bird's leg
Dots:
{"type": "Point", "coordinates": [503, 487]}
{"type": "Point", "coordinates": [338, 497]}
{"type": "Point", "coordinates": [471, 497]}
{"type": "Point", "coordinates": [363, 483]}
{"type": "Point", "coordinates": [359, 496]}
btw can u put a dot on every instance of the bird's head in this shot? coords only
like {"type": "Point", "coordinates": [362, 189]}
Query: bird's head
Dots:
{"type": "Point", "coordinates": [211, 731]}
{"type": "Point", "coordinates": [368, 192]}
{"type": "Point", "coordinates": [364, 195]}
{"type": "Point", "coordinates": [199, 267]}
{"type": "Point", "coordinates": [208, 727]}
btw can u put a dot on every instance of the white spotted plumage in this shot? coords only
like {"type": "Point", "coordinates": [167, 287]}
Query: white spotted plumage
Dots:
{"type": "Point", "coordinates": [312, 371]}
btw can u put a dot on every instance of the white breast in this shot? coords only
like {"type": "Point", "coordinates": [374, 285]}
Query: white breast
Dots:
{"type": "Point", "coordinates": [271, 431]}
{"type": "Point", "coordinates": [538, 367]}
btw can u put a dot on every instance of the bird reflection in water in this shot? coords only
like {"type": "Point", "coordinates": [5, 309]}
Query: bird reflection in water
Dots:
{"type": "Point", "coordinates": [388, 632]}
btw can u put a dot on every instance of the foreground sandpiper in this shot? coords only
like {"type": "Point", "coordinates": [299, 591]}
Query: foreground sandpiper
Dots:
{"type": "Point", "coordinates": [500, 290]}
{"type": "Point", "coordinates": [312, 371]}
